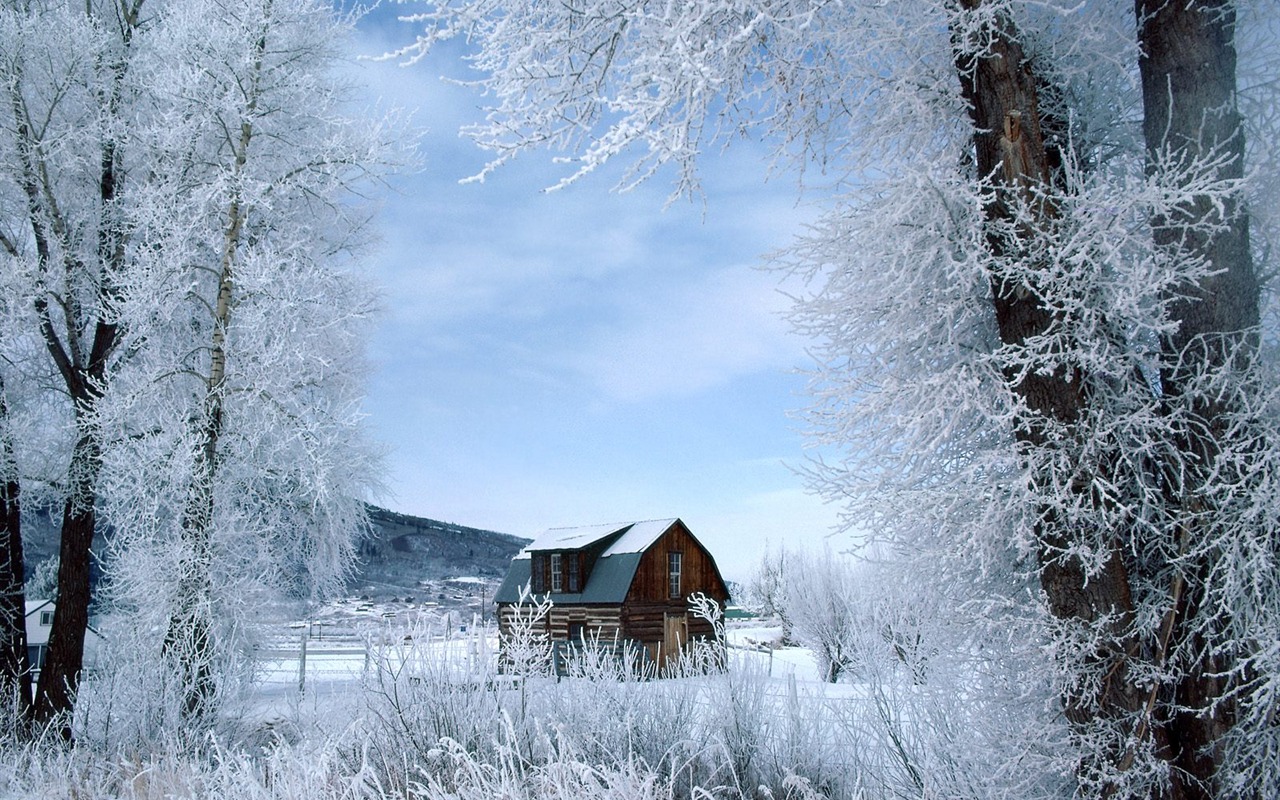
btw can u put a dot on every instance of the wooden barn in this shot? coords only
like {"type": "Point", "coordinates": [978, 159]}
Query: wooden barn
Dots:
{"type": "Point", "coordinates": [626, 582]}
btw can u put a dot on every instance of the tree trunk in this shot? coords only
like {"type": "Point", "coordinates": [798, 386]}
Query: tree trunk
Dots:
{"type": "Point", "coordinates": [60, 676]}
{"type": "Point", "coordinates": [84, 370]}
{"type": "Point", "coordinates": [1188, 69]}
{"type": "Point", "coordinates": [189, 639]}
{"type": "Point", "coordinates": [15, 674]}
{"type": "Point", "coordinates": [1010, 146]}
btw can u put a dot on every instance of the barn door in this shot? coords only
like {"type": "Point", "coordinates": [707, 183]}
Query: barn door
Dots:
{"type": "Point", "coordinates": [675, 632]}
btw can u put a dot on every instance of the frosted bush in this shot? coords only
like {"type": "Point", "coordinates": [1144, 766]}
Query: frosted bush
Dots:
{"type": "Point", "coordinates": [426, 688]}
{"type": "Point", "coordinates": [437, 719]}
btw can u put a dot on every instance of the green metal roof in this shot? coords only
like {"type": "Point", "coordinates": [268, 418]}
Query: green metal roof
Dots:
{"type": "Point", "coordinates": [517, 579]}
{"type": "Point", "coordinates": [612, 573]}
{"type": "Point", "coordinates": [609, 581]}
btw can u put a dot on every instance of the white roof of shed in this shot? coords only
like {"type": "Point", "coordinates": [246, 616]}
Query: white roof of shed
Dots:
{"type": "Point", "coordinates": [636, 537]}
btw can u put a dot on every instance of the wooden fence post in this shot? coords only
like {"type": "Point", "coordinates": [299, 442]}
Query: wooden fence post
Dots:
{"type": "Point", "coordinates": [302, 664]}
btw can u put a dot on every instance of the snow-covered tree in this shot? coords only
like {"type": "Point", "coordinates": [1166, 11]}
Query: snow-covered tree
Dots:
{"type": "Point", "coordinates": [187, 177]}
{"type": "Point", "coordinates": [822, 600]}
{"type": "Point", "coordinates": [767, 588]}
{"type": "Point", "coordinates": [1037, 310]}
{"type": "Point", "coordinates": [855, 616]}
{"type": "Point", "coordinates": [62, 165]}
{"type": "Point", "coordinates": [15, 679]}
{"type": "Point", "coordinates": [253, 375]}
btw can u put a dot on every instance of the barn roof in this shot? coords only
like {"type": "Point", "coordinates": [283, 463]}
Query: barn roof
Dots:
{"type": "Point", "coordinates": [633, 537]}
{"type": "Point", "coordinates": [610, 577]}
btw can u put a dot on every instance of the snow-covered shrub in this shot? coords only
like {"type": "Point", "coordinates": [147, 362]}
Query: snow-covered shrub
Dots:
{"type": "Point", "coordinates": [611, 710]}
{"type": "Point", "coordinates": [129, 699]}
{"type": "Point", "coordinates": [426, 687]}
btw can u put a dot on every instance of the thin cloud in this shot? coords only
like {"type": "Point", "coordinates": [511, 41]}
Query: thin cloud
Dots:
{"type": "Point", "coordinates": [692, 337]}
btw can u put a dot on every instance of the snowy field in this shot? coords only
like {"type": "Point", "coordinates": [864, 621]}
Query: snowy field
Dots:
{"type": "Point", "coordinates": [340, 670]}
{"type": "Point", "coordinates": [393, 702]}
{"type": "Point", "coordinates": [334, 668]}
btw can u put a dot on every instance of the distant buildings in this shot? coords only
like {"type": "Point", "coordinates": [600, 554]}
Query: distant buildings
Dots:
{"type": "Point", "coordinates": [39, 620]}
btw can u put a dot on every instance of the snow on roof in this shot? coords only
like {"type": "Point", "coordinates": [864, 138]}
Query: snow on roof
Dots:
{"type": "Point", "coordinates": [635, 538]}
{"type": "Point", "coordinates": [641, 535]}
{"type": "Point", "coordinates": [573, 538]}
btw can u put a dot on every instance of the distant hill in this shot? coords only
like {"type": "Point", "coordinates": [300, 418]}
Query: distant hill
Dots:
{"type": "Point", "coordinates": [402, 553]}
{"type": "Point", "coordinates": [405, 551]}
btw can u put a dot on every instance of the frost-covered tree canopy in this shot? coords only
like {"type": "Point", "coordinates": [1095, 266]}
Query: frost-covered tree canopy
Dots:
{"type": "Point", "coordinates": [179, 205]}
{"type": "Point", "coordinates": [1044, 346]}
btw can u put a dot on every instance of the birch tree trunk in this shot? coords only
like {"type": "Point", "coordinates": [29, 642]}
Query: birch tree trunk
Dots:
{"type": "Point", "coordinates": [190, 627]}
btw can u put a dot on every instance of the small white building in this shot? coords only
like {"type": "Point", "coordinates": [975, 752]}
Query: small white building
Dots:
{"type": "Point", "coordinates": [40, 624]}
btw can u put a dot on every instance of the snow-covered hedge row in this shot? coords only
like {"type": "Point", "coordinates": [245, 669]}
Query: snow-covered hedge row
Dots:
{"type": "Point", "coordinates": [435, 722]}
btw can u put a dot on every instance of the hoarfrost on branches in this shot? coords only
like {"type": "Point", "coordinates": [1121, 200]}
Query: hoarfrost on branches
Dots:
{"type": "Point", "coordinates": [181, 183]}
{"type": "Point", "coordinates": [1040, 331]}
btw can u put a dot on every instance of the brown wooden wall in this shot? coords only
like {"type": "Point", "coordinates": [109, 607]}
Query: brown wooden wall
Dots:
{"type": "Point", "coordinates": [645, 622]}
{"type": "Point", "coordinates": [507, 612]}
{"type": "Point", "coordinates": [602, 621]}
{"type": "Point", "coordinates": [698, 571]}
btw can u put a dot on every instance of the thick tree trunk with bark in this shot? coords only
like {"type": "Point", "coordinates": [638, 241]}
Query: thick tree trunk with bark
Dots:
{"type": "Point", "coordinates": [1191, 126]}
{"type": "Point", "coordinates": [1010, 146]}
{"type": "Point", "coordinates": [64, 660]}
{"type": "Point", "coordinates": [1190, 117]}
{"type": "Point", "coordinates": [81, 343]}
{"type": "Point", "coordinates": [15, 676]}
{"type": "Point", "coordinates": [1188, 73]}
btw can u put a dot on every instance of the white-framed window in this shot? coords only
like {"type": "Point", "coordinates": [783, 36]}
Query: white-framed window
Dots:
{"type": "Point", "coordinates": [557, 576]}
{"type": "Point", "coordinates": [46, 618]}
{"type": "Point", "coordinates": [673, 574]}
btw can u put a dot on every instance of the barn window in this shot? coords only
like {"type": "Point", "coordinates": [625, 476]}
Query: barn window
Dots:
{"type": "Point", "coordinates": [540, 579]}
{"type": "Point", "coordinates": [46, 618]}
{"type": "Point", "coordinates": [571, 567]}
{"type": "Point", "coordinates": [673, 574]}
{"type": "Point", "coordinates": [557, 577]}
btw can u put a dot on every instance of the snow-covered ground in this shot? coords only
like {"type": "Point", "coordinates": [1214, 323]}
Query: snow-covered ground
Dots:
{"type": "Point", "coordinates": [365, 639]}
{"type": "Point", "coordinates": [410, 704]}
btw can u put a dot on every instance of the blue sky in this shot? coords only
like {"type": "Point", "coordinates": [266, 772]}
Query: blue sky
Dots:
{"type": "Point", "coordinates": [583, 356]}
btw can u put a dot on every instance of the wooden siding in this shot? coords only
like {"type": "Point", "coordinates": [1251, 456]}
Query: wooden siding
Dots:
{"type": "Point", "coordinates": [509, 613]}
{"type": "Point", "coordinates": [540, 569]}
{"type": "Point", "coordinates": [540, 577]}
{"type": "Point", "coordinates": [646, 623]}
{"type": "Point", "coordinates": [639, 622]}
{"type": "Point", "coordinates": [698, 571]}
{"type": "Point", "coordinates": [602, 621]}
